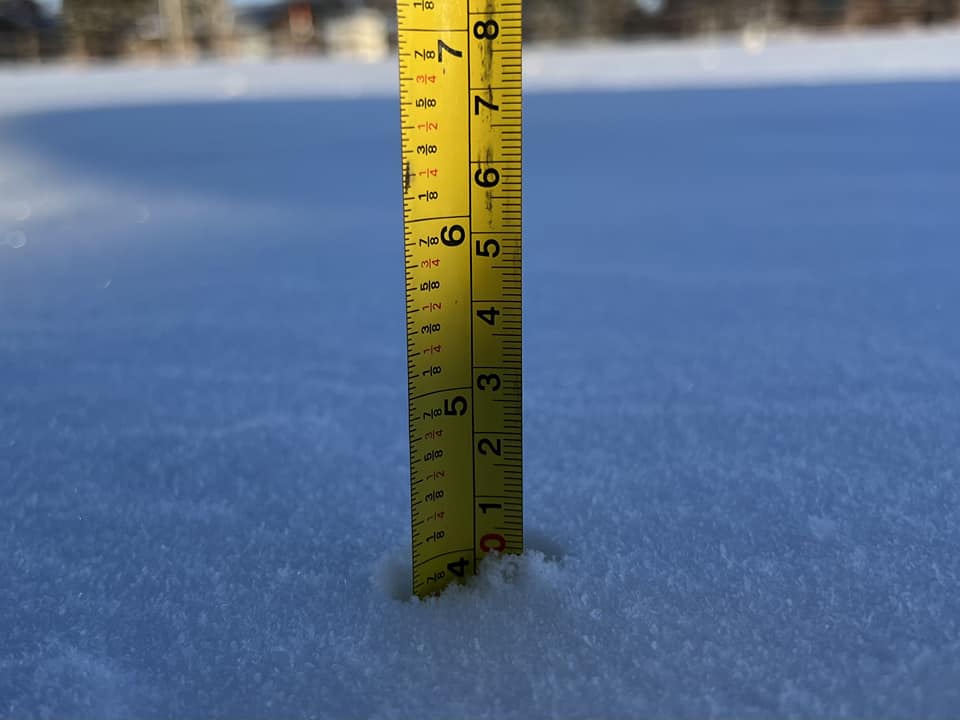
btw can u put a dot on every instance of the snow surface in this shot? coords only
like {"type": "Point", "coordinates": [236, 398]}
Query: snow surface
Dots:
{"type": "Point", "coordinates": [742, 417]}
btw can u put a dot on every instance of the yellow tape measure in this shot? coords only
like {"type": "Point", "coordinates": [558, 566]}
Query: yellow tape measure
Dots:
{"type": "Point", "coordinates": [460, 97]}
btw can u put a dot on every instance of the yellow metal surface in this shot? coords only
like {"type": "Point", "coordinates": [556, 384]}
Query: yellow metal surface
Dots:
{"type": "Point", "coordinates": [460, 96]}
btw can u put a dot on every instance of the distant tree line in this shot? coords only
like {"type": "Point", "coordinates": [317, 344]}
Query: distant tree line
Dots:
{"type": "Point", "coordinates": [104, 28]}
{"type": "Point", "coordinates": [26, 31]}
{"type": "Point", "coordinates": [560, 19]}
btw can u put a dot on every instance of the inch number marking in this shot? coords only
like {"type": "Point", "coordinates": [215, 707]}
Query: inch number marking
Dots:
{"type": "Point", "coordinates": [486, 30]}
{"type": "Point", "coordinates": [441, 46]}
{"type": "Point", "coordinates": [479, 102]}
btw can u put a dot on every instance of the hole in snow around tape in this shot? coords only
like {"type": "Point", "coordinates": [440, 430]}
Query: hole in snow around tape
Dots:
{"type": "Point", "coordinates": [543, 556]}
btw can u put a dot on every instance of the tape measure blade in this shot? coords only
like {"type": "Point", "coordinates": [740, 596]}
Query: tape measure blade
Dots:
{"type": "Point", "coordinates": [461, 120]}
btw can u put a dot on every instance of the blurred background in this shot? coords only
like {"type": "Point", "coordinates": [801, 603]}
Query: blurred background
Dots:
{"type": "Point", "coordinates": [365, 29]}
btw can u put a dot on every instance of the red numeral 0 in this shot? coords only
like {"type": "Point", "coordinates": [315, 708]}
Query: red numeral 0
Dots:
{"type": "Point", "coordinates": [493, 541]}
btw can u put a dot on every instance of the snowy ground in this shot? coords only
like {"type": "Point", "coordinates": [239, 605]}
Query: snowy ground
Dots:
{"type": "Point", "coordinates": [742, 396]}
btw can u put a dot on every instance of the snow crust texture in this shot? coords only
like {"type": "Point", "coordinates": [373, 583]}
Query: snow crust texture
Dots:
{"type": "Point", "coordinates": [742, 414]}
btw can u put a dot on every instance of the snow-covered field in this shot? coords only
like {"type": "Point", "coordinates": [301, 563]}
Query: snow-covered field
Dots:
{"type": "Point", "coordinates": [742, 394]}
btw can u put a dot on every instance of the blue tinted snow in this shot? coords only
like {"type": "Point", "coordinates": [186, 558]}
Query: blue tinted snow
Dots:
{"type": "Point", "coordinates": [742, 415]}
